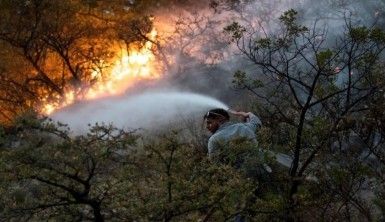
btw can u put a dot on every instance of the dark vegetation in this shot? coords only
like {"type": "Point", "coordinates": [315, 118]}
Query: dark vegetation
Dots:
{"type": "Point", "coordinates": [320, 96]}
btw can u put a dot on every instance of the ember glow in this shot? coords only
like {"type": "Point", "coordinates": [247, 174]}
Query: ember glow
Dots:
{"type": "Point", "coordinates": [129, 67]}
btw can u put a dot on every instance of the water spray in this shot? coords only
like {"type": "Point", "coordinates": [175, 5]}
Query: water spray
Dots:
{"type": "Point", "coordinates": [149, 110]}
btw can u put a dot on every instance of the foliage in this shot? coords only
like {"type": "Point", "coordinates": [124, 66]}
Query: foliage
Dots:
{"type": "Point", "coordinates": [110, 174]}
{"type": "Point", "coordinates": [316, 99]}
{"type": "Point", "coordinates": [51, 47]}
{"type": "Point", "coordinates": [320, 96]}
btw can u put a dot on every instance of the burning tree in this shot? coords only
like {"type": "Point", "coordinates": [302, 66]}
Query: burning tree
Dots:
{"type": "Point", "coordinates": [55, 52]}
{"type": "Point", "coordinates": [318, 95]}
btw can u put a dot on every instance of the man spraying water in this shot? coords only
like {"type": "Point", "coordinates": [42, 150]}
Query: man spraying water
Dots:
{"type": "Point", "coordinates": [223, 131]}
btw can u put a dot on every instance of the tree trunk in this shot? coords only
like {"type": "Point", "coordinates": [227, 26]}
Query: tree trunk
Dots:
{"type": "Point", "coordinates": [98, 217]}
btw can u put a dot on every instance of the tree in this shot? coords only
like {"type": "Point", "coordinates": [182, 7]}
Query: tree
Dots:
{"type": "Point", "coordinates": [313, 91]}
{"type": "Point", "coordinates": [111, 174]}
{"type": "Point", "coordinates": [50, 175]}
{"type": "Point", "coordinates": [50, 48]}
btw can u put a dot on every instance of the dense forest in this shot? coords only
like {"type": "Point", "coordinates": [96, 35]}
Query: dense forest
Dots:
{"type": "Point", "coordinates": [313, 71]}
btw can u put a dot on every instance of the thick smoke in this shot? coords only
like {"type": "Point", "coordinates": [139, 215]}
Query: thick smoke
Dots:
{"type": "Point", "coordinates": [200, 38]}
{"type": "Point", "coordinates": [201, 59]}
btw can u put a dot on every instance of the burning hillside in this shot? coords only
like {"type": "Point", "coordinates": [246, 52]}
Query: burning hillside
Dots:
{"type": "Point", "coordinates": [127, 67]}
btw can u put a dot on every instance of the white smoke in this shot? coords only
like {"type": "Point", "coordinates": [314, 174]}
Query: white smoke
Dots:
{"type": "Point", "coordinates": [148, 110]}
{"type": "Point", "coordinates": [199, 41]}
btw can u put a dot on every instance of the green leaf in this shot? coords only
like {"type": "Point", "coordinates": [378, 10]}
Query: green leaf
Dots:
{"type": "Point", "coordinates": [263, 43]}
{"type": "Point", "coordinates": [359, 34]}
{"type": "Point", "coordinates": [323, 57]}
{"type": "Point", "coordinates": [377, 35]}
{"type": "Point", "coordinates": [289, 19]}
{"type": "Point", "coordinates": [235, 30]}
{"type": "Point", "coordinates": [239, 78]}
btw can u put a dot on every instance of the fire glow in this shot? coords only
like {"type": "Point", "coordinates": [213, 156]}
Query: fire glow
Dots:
{"type": "Point", "coordinates": [129, 66]}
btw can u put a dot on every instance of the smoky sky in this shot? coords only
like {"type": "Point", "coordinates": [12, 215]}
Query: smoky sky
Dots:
{"type": "Point", "coordinates": [205, 60]}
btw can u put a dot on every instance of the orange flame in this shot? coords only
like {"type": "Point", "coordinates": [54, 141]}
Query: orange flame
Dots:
{"type": "Point", "coordinates": [129, 67]}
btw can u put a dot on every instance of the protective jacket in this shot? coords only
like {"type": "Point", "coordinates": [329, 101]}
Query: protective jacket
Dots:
{"type": "Point", "coordinates": [231, 131]}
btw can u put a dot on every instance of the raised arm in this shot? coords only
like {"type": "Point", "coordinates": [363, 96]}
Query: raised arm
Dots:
{"type": "Point", "coordinates": [249, 118]}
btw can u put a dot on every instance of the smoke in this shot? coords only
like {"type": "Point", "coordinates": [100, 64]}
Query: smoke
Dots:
{"type": "Point", "coordinates": [148, 110]}
{"type": "Point", "coordinates": [202, 54]}
{"type": "Point", "coordinates": [202, 60]}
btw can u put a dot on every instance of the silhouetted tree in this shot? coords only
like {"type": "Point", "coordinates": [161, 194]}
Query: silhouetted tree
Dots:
{"type": "Point", "coordinates": [314, 94]}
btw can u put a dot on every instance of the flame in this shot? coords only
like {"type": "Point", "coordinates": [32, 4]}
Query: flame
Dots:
{"type": "Point", "coordinates": [129, 66]}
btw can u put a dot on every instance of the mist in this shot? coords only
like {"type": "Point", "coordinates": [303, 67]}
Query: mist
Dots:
{"type": "Point", "coordinates": [147, 110]}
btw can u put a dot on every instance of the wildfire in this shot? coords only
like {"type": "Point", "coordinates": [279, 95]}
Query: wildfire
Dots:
{"type": "Point", "coordinates": [129, 67]}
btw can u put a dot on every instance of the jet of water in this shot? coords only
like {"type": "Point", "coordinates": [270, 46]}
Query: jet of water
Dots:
{"type": "Point", "coordinates": [148, 110]}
